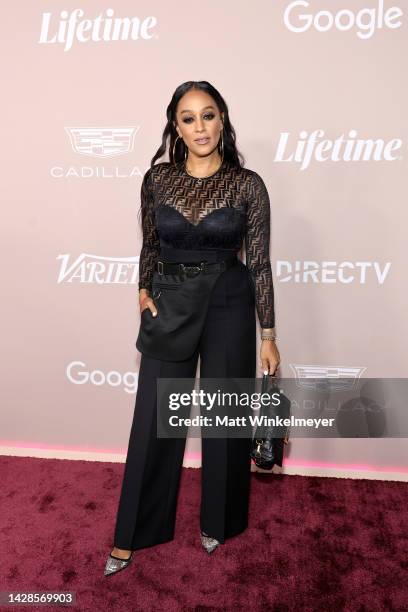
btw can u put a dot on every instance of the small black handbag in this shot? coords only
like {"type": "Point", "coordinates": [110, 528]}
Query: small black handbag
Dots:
{"type": "Point", "coordinates": [269, 440]}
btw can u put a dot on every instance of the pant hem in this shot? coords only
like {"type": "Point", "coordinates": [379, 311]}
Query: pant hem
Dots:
{"type": "Point", "coordinates": [147, 545]}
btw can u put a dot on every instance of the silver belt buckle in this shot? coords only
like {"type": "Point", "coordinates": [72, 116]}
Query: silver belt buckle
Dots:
{"type": "Point", "coordinates": [197, 269]}
{"type": "Point", "coordinates": [160, 267]}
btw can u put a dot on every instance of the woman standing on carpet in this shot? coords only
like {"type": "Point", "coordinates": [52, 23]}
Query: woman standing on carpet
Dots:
{"type": "Point", "coordinates": [197, 209]}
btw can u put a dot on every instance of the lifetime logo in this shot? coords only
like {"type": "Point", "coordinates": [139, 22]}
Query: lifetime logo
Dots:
{"type": "Point", "coordinates": [103, 28]}
{"type": "Point", "coordinates": [311, 146]}
{"type": "Point", "coordinates": [366, 21]}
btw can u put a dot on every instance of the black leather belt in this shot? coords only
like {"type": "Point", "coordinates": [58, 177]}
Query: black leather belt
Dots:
{"type": "Point", "coordinates": [165, 267]}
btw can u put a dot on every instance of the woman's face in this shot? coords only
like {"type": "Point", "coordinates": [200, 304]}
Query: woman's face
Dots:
{"type": "Point", "coordinates": [199, 122]}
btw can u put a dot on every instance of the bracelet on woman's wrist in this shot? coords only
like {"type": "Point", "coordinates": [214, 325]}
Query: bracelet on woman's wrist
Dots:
{"type": "Point", "coordinates": [268, 334]}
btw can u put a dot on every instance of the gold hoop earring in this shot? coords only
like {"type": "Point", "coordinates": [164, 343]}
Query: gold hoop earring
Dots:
{"type": "Point", "coordinates": [222, 148]}
{"type": "Point", "coordinates": [174, 146]}
{"type": "Point", "coordinates": [185, 151]}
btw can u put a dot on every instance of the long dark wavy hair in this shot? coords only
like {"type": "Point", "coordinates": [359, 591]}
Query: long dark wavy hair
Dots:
{"type": "Point", "coordinates": [231, 152]}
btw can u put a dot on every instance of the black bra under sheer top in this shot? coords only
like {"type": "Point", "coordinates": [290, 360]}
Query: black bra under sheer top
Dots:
{"type": "Point", "coordinates": [216, 212]}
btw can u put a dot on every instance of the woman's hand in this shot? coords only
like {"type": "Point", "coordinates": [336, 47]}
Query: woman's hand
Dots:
{"type": "Point", "coordinates": [270, 358]}
{"type": "Point", "coordinates": [145, 301]}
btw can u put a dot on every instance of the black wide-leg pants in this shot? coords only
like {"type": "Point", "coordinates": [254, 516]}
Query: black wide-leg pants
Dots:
{"type": "Point", "coordinates": [148, 500]}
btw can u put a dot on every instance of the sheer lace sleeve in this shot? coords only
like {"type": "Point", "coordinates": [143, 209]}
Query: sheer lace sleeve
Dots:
{"type": "Point", "coordinates": [257, 240]}
{"type": "Point", "coordinates": [151, 242]}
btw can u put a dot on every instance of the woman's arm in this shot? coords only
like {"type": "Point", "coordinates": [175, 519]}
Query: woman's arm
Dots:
{"type": "Point", "coordinates": [151, 243]}
{"type": "Point", "coordinates": [257, 242]}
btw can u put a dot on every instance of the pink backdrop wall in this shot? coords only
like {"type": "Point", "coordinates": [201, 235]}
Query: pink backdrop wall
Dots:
{"type": "Point", "coordinates": [316, 92]}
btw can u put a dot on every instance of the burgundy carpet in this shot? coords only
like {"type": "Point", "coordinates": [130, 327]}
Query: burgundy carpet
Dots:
{"type": "Point", "coordinates": [313, 544]}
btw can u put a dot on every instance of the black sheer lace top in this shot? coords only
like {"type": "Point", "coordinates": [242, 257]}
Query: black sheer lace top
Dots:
{"type": "Point", "coordinates": [216, 212]}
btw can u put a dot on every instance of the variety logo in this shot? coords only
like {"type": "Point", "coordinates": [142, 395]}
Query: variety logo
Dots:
{"type": "Point", "coordinates": [78, 374]}
{"type": "Point", "coordinates": [365, 21]}
{"type": "Point", "coordinates": [99, 143]}
{"type": "Point", "coordinates": [332, 272]}
{"type": "Point", "coordinates": [94, 269]}
{"type": "Point", "coordinates": [346, 149]}
{"type": "Point", "coordinates": [103, 28]}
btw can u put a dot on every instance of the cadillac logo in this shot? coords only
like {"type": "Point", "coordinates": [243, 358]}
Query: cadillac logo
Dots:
{"type": "Point", "coordinates": [102, 141]}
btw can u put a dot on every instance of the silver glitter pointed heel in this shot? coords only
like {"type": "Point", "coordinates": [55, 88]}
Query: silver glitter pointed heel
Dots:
{"type": "Point", "coordinates": [208, 542]}
{"type": "Point", "coordinates": [115, 564]}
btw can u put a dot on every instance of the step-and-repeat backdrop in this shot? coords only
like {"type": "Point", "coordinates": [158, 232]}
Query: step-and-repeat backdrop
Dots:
{"type": "Point", "coordinates": [316, 91]}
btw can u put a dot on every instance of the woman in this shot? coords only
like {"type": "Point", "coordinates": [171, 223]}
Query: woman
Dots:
{"type": "Point", "coordinates": [198, 207]}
